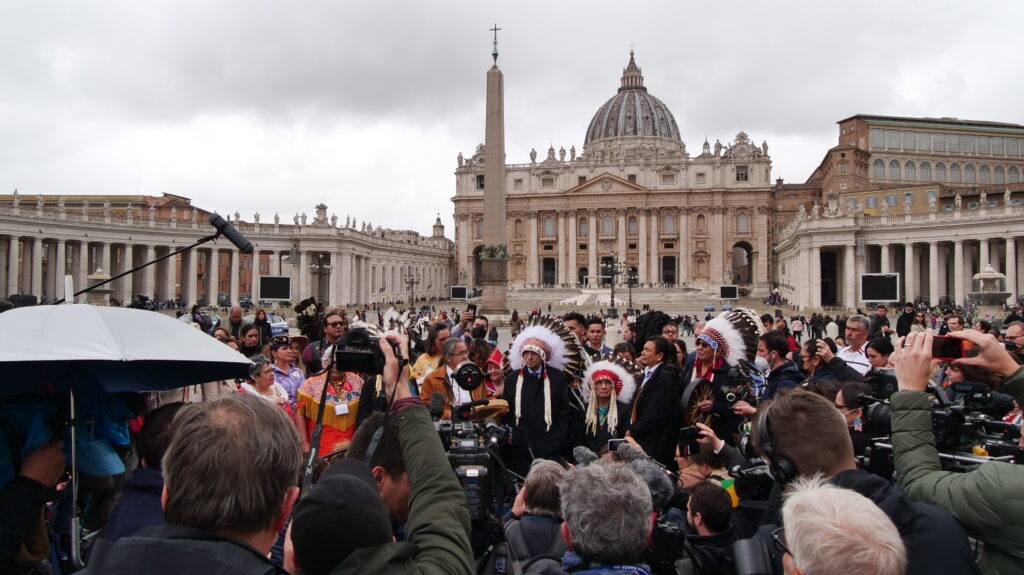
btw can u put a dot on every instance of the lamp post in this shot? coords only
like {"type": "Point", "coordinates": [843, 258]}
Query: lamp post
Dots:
{"type": "Point", "coordinates": [320, 270]}
{"type": "Point", "coordinates": [612, 270]}
{"type": "Point", "coordinates": [411, 277]}
{"type": "Point", "coordinates": [631, 279]}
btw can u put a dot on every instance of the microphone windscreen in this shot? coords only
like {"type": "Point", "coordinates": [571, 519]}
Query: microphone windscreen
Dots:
{"type": "Point", "coordinates": [629, 452]}
{"type": "Point", "coordinates": [657, 481]}
{"type": "Point", "coordinates": [583, 456]}
{"type": "Point", "coordinates": [436, 405]}
{"type": "Point", "coordinates": [229, 232]}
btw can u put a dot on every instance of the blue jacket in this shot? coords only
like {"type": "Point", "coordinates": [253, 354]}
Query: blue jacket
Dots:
{"type": "Point", "coordinates": [139, 505]}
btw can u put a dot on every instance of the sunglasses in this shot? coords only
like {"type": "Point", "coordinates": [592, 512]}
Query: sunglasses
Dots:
{"type": "Point", "coordinates": [701, 343]}
{"type": "Point", "coordinates": [779, 540]}
{"type": "Point", "coordinates": [337, 324]}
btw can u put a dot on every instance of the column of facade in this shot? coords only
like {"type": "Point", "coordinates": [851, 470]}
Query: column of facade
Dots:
{"type": "Point", "coordinates": [334, 282]}
{"type": "Point", "coordinates": [234, 255]}
{"type": "Point", "coordinates": [684, 247]}
{"type": "Point", "coordinates": [562, 251]}
{"type": "Point", "coordinates": [83, 269]}
{"type": "Point", "coordinates": [170, 277]}
{"type": "Point", "coordinates": [942, 277]}
{"type": "Point", "coordinates": [304, 289]}
{"type": "Point", "coordinates": [364, 275]}
{"type": "Point", "coordinates": [968, 271]}
{"type": "Point", "coordinates": [190, 279]}
{"type": "Point", "coordinates": [105, 257]}
{"type": "Point", "coordinates": [345, 283]}
{"type": "Point", "coordinates": [213, 277]}
{"type": "Point", "coordinates": [1011, 267]}
{"type": "Point", "coordinates": [803, 291]}
{"type": "Point", "coordinates": [37, 267]}
{"type": "Point", "coordinates": [655, 239]}
{"type": "Point", "coordinates": [717, 234]}
{"type": "Point", "coordinates": [12, 265]}
{"type": "Point", "coordinates": [150, 273]}
{"type": "Point", "coordinates": [128, 286]}
{"type": "Point", "coordinates": [592, 246]}
{"type": "Point", "coordinates": [850, 279]}
{"type": "Point", "coordinates": [642, 269]}
{"type": "Point", "coordinates": [909, 273]}
{"type": "Point", "coordinates": [884, 262]}
{"type": "Point", "coordinates": [984, 258]}
{"type": "Point", "coordinates": [573, 267]}
{"type": "Point", "coordinates": [531, 249]}
{"type": "Point", "coordinates": [815, 277]}
{"type": "Point", "coordinates": [764, 248]}
{"type": "Point", "coordinates": [958, 275]}
{"type": "Point", "coordinates": [933, 273]}
{"type": "Point", "coordinates": [620, 248]}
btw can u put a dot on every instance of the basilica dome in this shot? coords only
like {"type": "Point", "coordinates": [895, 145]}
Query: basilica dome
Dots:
{"type": "Point", "coordinates": [632, 112]}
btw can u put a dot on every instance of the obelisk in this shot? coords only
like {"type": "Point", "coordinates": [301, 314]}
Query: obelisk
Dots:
{"type": "Point", "coordinates": [494, 256]}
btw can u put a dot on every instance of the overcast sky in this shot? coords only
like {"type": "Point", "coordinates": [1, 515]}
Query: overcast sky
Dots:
{"type": "Point", "coordinates": [274, 106]}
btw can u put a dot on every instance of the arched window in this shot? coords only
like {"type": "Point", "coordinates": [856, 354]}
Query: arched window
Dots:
{"type": "Point", "coordinates": [479, 229]}
{"type": "Point", "coordinates": [969, 174]}
{"type": "Point", "coordinates": [633, 226]}
{"type": "Point", "coordinates": [742, 223]}
{"type": "Point", "coordinates": [607, 224]}
{"type": "Point", "coordinates": [549, 226]}
{"type": "Point", "coordinates": [999, 175]}
{"type": "Point", "coordinates": [668, 224]}
{"type": "Point", "coordinates": [894, 170]}
{"type": "Point", "coordinates": [926, 171]}
{"type": "Point", "coordinates": [910, 171]}
{"type": "Point", "coordinates": [940, 172]}
{"type": "Point", "coordinates": [1014, 175]}
{"type": "Point", "coordinates": [984, 175]}
{"type": "Point", "coordinates": [954, 172]}
{"type": "Point", "coordinates": [879, 170]}
{"type": "Point", "coordinates": [584, 229]}
{"type": "Point", "coordinates": [519, 227]}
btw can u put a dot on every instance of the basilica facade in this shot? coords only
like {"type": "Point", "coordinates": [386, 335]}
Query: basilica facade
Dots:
{"type": "Point", "coordinates": [634, 199]}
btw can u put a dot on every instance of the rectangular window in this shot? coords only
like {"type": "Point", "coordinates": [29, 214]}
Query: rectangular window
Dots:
{"type": "Point", "coordinates": [480, 182]}
{"type": "Point", "coordinates": [939, 142]}
{"type": "Point", "coordinates": [947, 208]}
{"type": "Point", "coordinates": [908, 198]}
{"type": "Point", "coordinates": [583, 247]}
{"type": "Point", "coordinates": [517, 184]}
{"type": "Point", "coordinates": [549, 248]}
{"type": "Point", "coordinates": [842, 168]}
{"type": "Point", "coordinates": [877, 138]}
{"type": "Point", "coordinates": [842, 187]}
{"type": "Point", "coordinates": [892, 139]}
{"type": "Point", "coordinates": [631, 178]}
{"type": "Point", "coordinates": [908, 141]}
{"type": "Point", "coordinates": [669, 246]}
{"type": "Point", "coordinates": [668, 178]}
{"type": "Point", "coordinates": [996, 146]}
{"type": "Point", "coordinates": [872, 202]}
{"type": "Point", "coordinates": [701, 178]}
{"type": "Point", "coordinates": [1011, 146]}
{"type": "Point", "coordinates": [852, 202]}
{"type": "Point", "coordinates": [929, 196]}
{"type": "Point", "coordinates": [741, 174]}
{"type": "Point", "coordinates": [952, 142]}
{"type": "Point", "coordinates": [547, 182]}
{"type": "Point", "coordinates": [967, 144]}
{"type": "Point", "coordinates": [982, 144]}
{"type": "Point", "coordinates": [631, 246]}
{"type": "Point", "coordinates": [581, 180]}
{"type": "Point", "coordinates": [890, 199]}
{"type": "Point", "coordinates": [924, 141]}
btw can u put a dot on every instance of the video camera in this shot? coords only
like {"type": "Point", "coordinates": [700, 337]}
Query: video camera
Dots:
{"type": "Point", "coordinates": [358, 351]}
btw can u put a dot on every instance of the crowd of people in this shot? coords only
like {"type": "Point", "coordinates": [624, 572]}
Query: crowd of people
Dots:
{"type": "Point", "coordinates": [642, 457]}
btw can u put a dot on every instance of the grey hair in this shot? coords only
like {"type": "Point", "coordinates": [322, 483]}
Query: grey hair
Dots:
{"type": "Point", "coordinates": [607, 508]}
{"type": "Point", "coordinates": [862, 320]}
{"type": "Point", "coordinates": [229, 465]}
{"type": "Point", "coordinates": [542, 491]}
{"type": "Point", "coordinates": [834, 530]}
{"type": "Point", "coordinates": [449, 347]}
{"type": "Point", "coordinates": [258, 362]}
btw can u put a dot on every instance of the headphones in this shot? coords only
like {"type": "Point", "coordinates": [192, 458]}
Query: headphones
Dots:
{"type": "Point", "coordinates": [781, 468]}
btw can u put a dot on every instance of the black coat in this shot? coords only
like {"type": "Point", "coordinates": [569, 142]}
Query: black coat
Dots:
{"type": "Point", "coordinates": [657, 417]}
{"type": "Point", "coordinates": [935, 541]}
{"type": "Point", "coordinates": [531, 439]}
{"type": "Point", "coordinates": [173, 549]}
{"type": "Point", "coordinates": [596, 440]}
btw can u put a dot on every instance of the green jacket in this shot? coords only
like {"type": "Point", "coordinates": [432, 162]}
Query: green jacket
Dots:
{"type": "Point", "coordinates": [988, 501]}
{"type": "Point", "coordinates": [438, 529]}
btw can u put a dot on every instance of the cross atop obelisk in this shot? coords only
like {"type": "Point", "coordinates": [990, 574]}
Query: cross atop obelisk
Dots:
{"type": "Point", "coordinates": [494, 51]}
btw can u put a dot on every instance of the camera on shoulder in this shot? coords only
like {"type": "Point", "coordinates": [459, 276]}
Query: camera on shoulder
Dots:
{"type": "Point", "coordinates": [358, 351]}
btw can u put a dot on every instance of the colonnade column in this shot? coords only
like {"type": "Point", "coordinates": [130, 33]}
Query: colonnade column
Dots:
{"type": "Point", "coordinates": [12, 265]}
{"type": "Point", "coordinates": [83, 269]}
{"type": "Point", "coordinates": [213, 277]}
{"type": "Point", "coordinates": [958, 276]}
{"type": "Point", "coordinates": [562, 250]}
{"type": "Point", "coordinates": [815, 276]}
{"type": "Point", "coordinates": [531, 249]}
{"type": "Point", "coordinates": [909, 273]}
{"type": "Point", "coordinates": [105, 257]}
{"type": "Point", "coordinates": [150, 277]}
{"type": "Point", "coordinates": [884, 261]}
{"type": "Point", "coordinates": [572, 273]}
{"type": "Point", "coordinates": [983, 256]}
{"type": "Point", "coordinates": [333, 289]}
{"type": "Point", "coordinates": [642, 269]}
{"type": "Point", "coordinates": [304, 290]}
{"type": "Point", "coordinates": [191, 279]}
{"type": "Point", "coordinates": [170, 277]}
{"type": "Point", "coordinates": [59, 267]}
{"type": "Point", "coordinates": [233, 278]}
{"type": "Point", "coordinates": [933, 273]}
{"type": "Point", "coordinates": [1011, 267]}
{"type": "Point", "coordinates": [37, 267]}
{"type": "Point", "coordinates": [850, 279]}
{"type": "Point", "coordinates": [128, 281]}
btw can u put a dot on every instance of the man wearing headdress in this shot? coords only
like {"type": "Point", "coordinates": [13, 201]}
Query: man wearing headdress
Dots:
{"type": "Point", "coordinates": [608, 386]}
{"type": "Point", "coordinates": [538, 398]}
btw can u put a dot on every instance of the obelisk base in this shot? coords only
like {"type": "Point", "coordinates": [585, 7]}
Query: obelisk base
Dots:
{"type": "Point", "coordinates": [493, 281]}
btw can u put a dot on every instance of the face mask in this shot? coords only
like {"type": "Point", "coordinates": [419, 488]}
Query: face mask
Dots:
{"type": "Point", "coordinates": [1010, 346]}
{"type": "Point", "coordinates": [762, 364]}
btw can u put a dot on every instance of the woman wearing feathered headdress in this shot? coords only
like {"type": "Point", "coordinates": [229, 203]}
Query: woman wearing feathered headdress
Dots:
{"type": "Point", "coordinates": [608, 388]}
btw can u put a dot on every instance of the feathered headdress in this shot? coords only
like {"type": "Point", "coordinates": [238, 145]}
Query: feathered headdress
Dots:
{"type": "Point", "coordinates": [555, 342]}
{"type": "Point", "coordinates": [733, 335]}
{"type": "Point", "coordinates": [622, 373]}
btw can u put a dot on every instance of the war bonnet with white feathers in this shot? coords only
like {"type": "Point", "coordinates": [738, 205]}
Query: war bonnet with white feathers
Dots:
{"type": "Point", "coordinates": [733, 335]}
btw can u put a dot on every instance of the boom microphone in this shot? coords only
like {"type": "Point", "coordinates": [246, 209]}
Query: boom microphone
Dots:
{"type": "Point", "coordinates": [583, 456]}
{"type": "Point", "coordinates": [227, 230]}
{"type": "Point", "coordinates": [436, 405]}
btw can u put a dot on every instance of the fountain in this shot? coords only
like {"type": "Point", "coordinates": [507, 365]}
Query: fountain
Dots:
{"type": "Point", "coordinates": [989, 293]}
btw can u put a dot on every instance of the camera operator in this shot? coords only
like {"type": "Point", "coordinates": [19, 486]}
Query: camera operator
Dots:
{"type": "Point", "coordinates": [987, 500]}
{"type": "Point", "coordinates": [438, 524]}
{"type": "Point", "coordinates": [710, 532]}
{"type": "Point", "coordinates": [801, 434]}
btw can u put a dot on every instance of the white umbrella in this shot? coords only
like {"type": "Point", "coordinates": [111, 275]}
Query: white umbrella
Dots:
{"type": "Point", "coordinates": [121, 349]}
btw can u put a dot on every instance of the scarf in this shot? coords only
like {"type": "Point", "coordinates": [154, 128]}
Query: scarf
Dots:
{"type": "Point", "coordinates": [547, 396]}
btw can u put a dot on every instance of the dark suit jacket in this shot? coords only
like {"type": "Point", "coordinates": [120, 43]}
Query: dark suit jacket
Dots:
{"type": "Point", "coordinates": [530, 438]}
{"type": "Point", "coordinates": [657, 416]}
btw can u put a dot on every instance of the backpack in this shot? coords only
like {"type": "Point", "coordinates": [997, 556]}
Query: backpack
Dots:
{"type": "Point", "coordinates": [535, 564]}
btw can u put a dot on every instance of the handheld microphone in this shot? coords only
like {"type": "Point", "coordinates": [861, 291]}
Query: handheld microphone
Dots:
{"type": "Point", "coordinates": [227, 230]}
{"type": "Point", "coordinates": [436, 406]}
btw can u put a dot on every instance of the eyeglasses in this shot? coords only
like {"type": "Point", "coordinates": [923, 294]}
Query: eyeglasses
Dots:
{"type": "Point", "coordinates": [337, 324]}
{"type": "Point", "coordinates": [701, 343]}
{"type": "Point", "coordinates": [779, 540]}
{"type": "Point", "coordinates": [458, 353]}
{"type": "Point", "coordinates": [806, 357]}
{"type": "Point", "coordinates": [670, 330]}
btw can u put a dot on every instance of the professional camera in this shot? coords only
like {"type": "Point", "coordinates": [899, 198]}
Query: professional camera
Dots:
{"type": "Point", "coordinates": [668, 541]}
{"type": "Point", "coordinates": [883, 383]}
{"type": "Point", "coordinates": [359, 352]}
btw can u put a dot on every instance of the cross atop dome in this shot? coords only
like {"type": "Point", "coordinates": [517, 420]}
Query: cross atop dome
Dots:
{"type": "Point", "coordinates": [632, 79]}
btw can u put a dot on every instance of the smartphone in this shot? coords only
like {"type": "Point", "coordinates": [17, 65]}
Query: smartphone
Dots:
{"type": "Point", "coordinates": [613, 444]}
{"type": "Point", "coordinates": [947, 348]}
{"type": "Point", "coordinates": [471, 307]}
{"type": "Point", "coordinates": [688, 441]}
